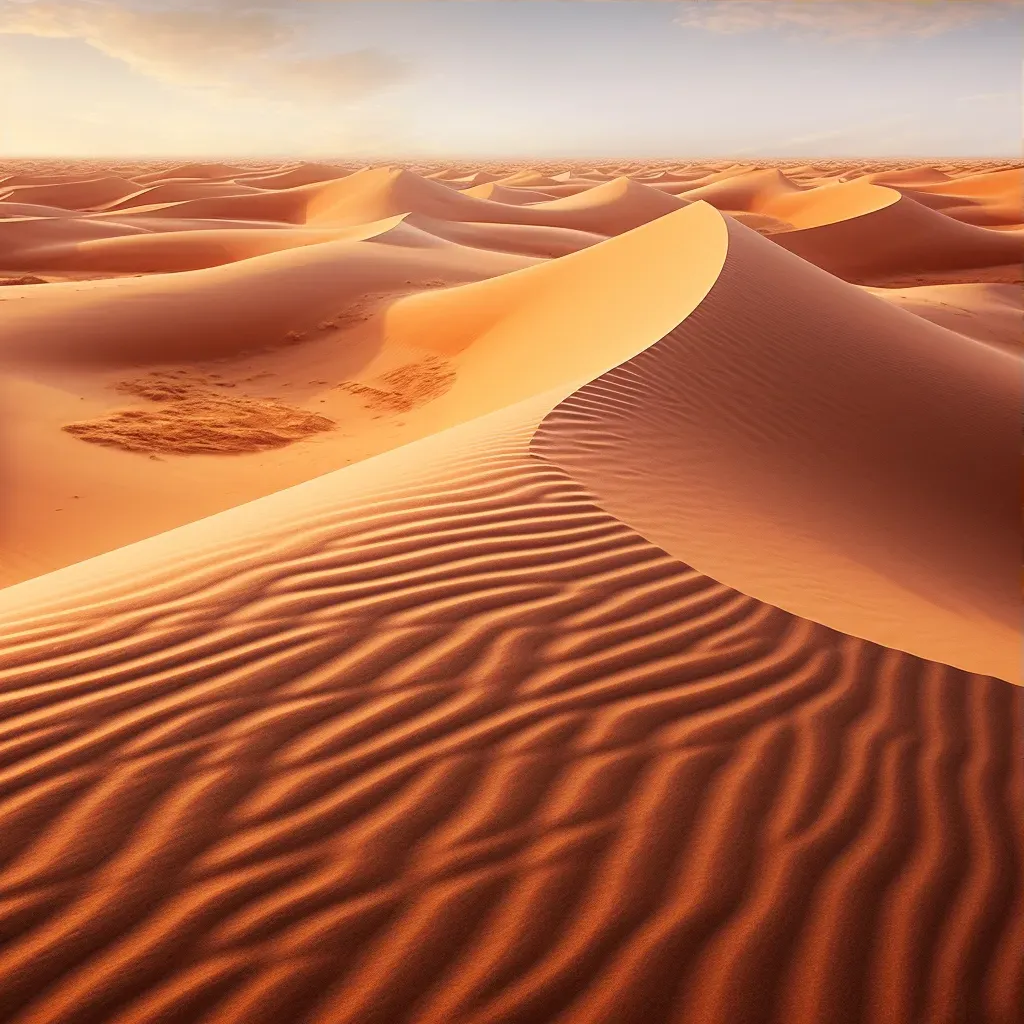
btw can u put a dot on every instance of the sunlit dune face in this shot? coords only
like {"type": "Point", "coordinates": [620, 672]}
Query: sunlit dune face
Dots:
{"type": "Point", "coordinates": [311, 305]}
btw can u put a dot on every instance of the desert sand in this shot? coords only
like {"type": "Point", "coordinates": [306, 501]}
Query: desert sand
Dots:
{"type": "Point", "coordinates": [484, 593]}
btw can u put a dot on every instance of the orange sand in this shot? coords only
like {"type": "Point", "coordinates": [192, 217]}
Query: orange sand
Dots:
{"type": "Point", "coordinates": [483, 595]}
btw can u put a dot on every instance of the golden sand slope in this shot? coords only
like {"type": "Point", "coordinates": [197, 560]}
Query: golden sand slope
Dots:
{"type": "Point", "coordinates": [287, 327]}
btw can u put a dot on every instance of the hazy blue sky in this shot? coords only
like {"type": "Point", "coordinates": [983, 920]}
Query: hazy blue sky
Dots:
{"type": "Point", "coordinates": [516, 78]}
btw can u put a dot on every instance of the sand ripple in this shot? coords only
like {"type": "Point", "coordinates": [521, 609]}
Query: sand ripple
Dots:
{"type": "Point", "coordinates": [475, 751]}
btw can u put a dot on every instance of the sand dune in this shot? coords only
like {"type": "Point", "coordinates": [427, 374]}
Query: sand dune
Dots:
{"type": "Point", "coordinates": [201, 314]}
{"type": "Point", "coordinates": [176, 192]}
{"type": "Point", "coordinates": [523, 239]}
{"type": "Point", "coordinates": [528, 179]}
{"type": "Point", "coordinates": [902, 575]}
{"type": "Point", "coordinates": [564, 189]}
{"type": "Point", "coordinates": [76, 195]}
{"type": "Point", "coordinates": [828, 204]}
{"type": "Point", "coordinates": [168, 251]}
{"type": "Point", "coordinates": [909, 176]}
{"type": "Point", "coordinates": [995, 199]}
{"type": "Point", "coordinates": [290, 325]}
{"type": "Point", "coordinates": [286, 206]}
{"type": "Point", "coordinates": [360, 198]}
{"type": "Point", "coordinates": [208, 171]}
{"type": "Point", "coordinates": [781, 448]}
{"type": "Point", "coordinates": [613, 206]}
{"type": "Point", "coordinates": [475, 178]}
{"type": "Point", "coordinates": [8, 180]}
{"type": "Point", "coordinates": [292, 177]}
{"type": "Point", "coordinates": [10, 209]}
{"type": "Point", "coordinates": [605, 209]}
{"type": "Point", "coordinates": [748, 191]}
{"type": "Point", "coordinates": [988, 185]}
{"type": "Point", "coordinates": [900, 239]}
{"type": "Point", "coordinates": [503, 194]}
{"type": "Point", "coordinates": [650, 660]}
{"type": "Point", "coordinates": [25, 240]}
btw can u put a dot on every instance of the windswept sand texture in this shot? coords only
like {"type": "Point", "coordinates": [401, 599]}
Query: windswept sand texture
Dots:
{"type": "Point", "coordinates": [643, 650]}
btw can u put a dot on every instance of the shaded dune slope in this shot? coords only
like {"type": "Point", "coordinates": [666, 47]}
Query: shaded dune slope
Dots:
{"type": "Point", "coordinates": [785, 439]}
{"type": "Point", "coordinates": [795, 449]}
{"type": "Point", "coordinates": [218, 311]}
{"type": "Point", "coordinates": [291, 177]}
{"type": "Point", "coordinates": [901, 238]}
{"type": "Point", "coordinates": [538, 240]}
{"type": "Point", "coordinates": [503, 194]}
{"type": "Point", "coordinates": [72, 195]}
{"type": "Point", "coordinates": [197, 171]}
{"type": "Point", "coordinates": [177, 192]}
{"type": "Point", "coordinates": [128, 247]}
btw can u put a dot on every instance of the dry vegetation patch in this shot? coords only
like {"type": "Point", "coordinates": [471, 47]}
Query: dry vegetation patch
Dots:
{"type": "Point", "coordinates": [406, 387]}
{"type": "Point", "coordinates": [190, 417]}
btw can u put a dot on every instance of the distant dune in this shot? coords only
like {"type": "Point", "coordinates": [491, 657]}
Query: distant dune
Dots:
{"type": "Point", "coordinates": [461, 594]}
{"type": "Point", "coordinates": [70, 195]}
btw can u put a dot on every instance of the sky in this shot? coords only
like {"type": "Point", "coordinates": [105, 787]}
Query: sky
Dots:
{"type": "Point", "coordinates": [514, 78]}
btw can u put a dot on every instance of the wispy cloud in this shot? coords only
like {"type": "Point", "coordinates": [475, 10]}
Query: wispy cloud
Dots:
{"type": "Point", "coordinates": [851, 137]}
{"type": "Point", "coordinates": [991, 98]}
{"type": "Point", "coordinates": [238, 47]}
{"type": "Point", "coordinates": [839, 19]}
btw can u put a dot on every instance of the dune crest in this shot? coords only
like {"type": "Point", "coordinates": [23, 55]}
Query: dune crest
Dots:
{"type": "Point", "coordinates": [820, 470]}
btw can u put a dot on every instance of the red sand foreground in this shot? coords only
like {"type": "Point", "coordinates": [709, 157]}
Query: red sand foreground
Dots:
{"type": "Point", "coordinates": [511, 595]}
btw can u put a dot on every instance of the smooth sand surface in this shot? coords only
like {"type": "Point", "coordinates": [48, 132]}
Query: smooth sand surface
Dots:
{"type": "Point", "coordinates": [467, 611]}
{"type": "Point", "coordinates": [992, 313]}
{"type": "Point", "coordinates": [504, 194]}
